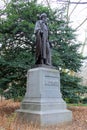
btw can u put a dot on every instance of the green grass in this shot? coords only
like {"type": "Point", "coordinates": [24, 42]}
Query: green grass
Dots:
{"type": "Point", "coordinates": [80, 104]}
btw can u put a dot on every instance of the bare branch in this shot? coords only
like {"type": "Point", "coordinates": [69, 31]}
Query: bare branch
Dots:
{"type": "Point", "coordinates": [81, 23]}
{"type": "Point", "coordinates": [74, 8]}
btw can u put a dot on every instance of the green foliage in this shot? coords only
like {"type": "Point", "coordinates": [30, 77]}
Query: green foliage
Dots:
{"type": "Point", "coordinates": [1, 91]}
{"type": "Point", "coordinates": [17, 45]}
{"type": "Point", "coordinates": [17, 51]}
{"type": "Point", "coordinates": [84, 100]}
{"type": "Point", "coordinates": [71, 88]}
{"type": "Point", "coordinates": [15, 92]}
{"type": "Point", "coordinates": [65, 45]}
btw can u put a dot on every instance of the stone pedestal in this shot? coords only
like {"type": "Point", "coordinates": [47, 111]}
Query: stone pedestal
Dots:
{"type": "Point", "coordinates": [43, 103]}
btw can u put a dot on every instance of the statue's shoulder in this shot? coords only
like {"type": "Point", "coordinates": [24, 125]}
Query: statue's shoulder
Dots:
{"type": "Point", "coordinates": [39, 21]}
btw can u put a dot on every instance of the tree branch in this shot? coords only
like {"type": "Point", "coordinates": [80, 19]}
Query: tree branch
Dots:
{"type": "Point", "coordinates": [81, 24]}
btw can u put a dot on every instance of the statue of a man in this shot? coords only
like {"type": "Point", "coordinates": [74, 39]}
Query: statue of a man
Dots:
{"type": "Point", "coordinates": [43, 52]}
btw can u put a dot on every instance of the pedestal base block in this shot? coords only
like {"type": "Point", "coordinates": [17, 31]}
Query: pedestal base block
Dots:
{"type": "Point", "coordinates": [43, 103]}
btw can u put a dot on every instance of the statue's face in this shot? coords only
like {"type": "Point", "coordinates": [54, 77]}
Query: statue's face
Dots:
{"type": "Point", "coordinates": [44, 18]}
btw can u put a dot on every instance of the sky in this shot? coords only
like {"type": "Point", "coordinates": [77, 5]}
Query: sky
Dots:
{"type": "Point", "coordinates": [77, 17]}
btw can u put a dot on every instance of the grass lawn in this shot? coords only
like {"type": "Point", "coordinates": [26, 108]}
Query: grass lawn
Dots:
{"type": "Point", "coordinates": [8, 120]}
{"type": "Point", "coordinates": [80, 104]}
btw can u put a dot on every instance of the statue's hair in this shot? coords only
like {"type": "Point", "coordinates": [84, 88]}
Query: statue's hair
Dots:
{"type": "Point", "coordinates": [43, 15]}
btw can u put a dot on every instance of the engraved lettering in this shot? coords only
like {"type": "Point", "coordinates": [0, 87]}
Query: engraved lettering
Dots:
{"type": "Point", "coordinates": [51, 81]}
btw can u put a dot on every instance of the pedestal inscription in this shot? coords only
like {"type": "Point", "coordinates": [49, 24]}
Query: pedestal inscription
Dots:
{"type": "Point", "coordinates": [43, 102]}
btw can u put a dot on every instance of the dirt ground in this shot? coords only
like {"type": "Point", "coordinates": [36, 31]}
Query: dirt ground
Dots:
{"type": "Point", "coordinates": [8, 119]}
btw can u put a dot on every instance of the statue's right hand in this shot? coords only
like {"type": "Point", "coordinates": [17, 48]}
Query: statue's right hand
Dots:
{"type": "Point", "coordinates": [40, 32]}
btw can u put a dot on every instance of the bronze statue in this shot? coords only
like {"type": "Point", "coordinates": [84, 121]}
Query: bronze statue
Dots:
{"type": "Point", "coordinates": [43, 52]}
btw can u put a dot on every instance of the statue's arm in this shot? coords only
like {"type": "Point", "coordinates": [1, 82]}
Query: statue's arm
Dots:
{"type": "Point", "coordinates": [38, 29]}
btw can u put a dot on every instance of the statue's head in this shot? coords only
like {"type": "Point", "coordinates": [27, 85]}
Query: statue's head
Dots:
{"type": "Point", "coordinates": [43, 17]}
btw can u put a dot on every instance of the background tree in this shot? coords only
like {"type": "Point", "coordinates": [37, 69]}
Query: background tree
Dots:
{"type": "Point", "coordinates": [18, 47]}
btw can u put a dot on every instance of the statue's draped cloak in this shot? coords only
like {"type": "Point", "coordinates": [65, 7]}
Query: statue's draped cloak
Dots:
{"type": "Point", "coordinates": [42, 44]}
